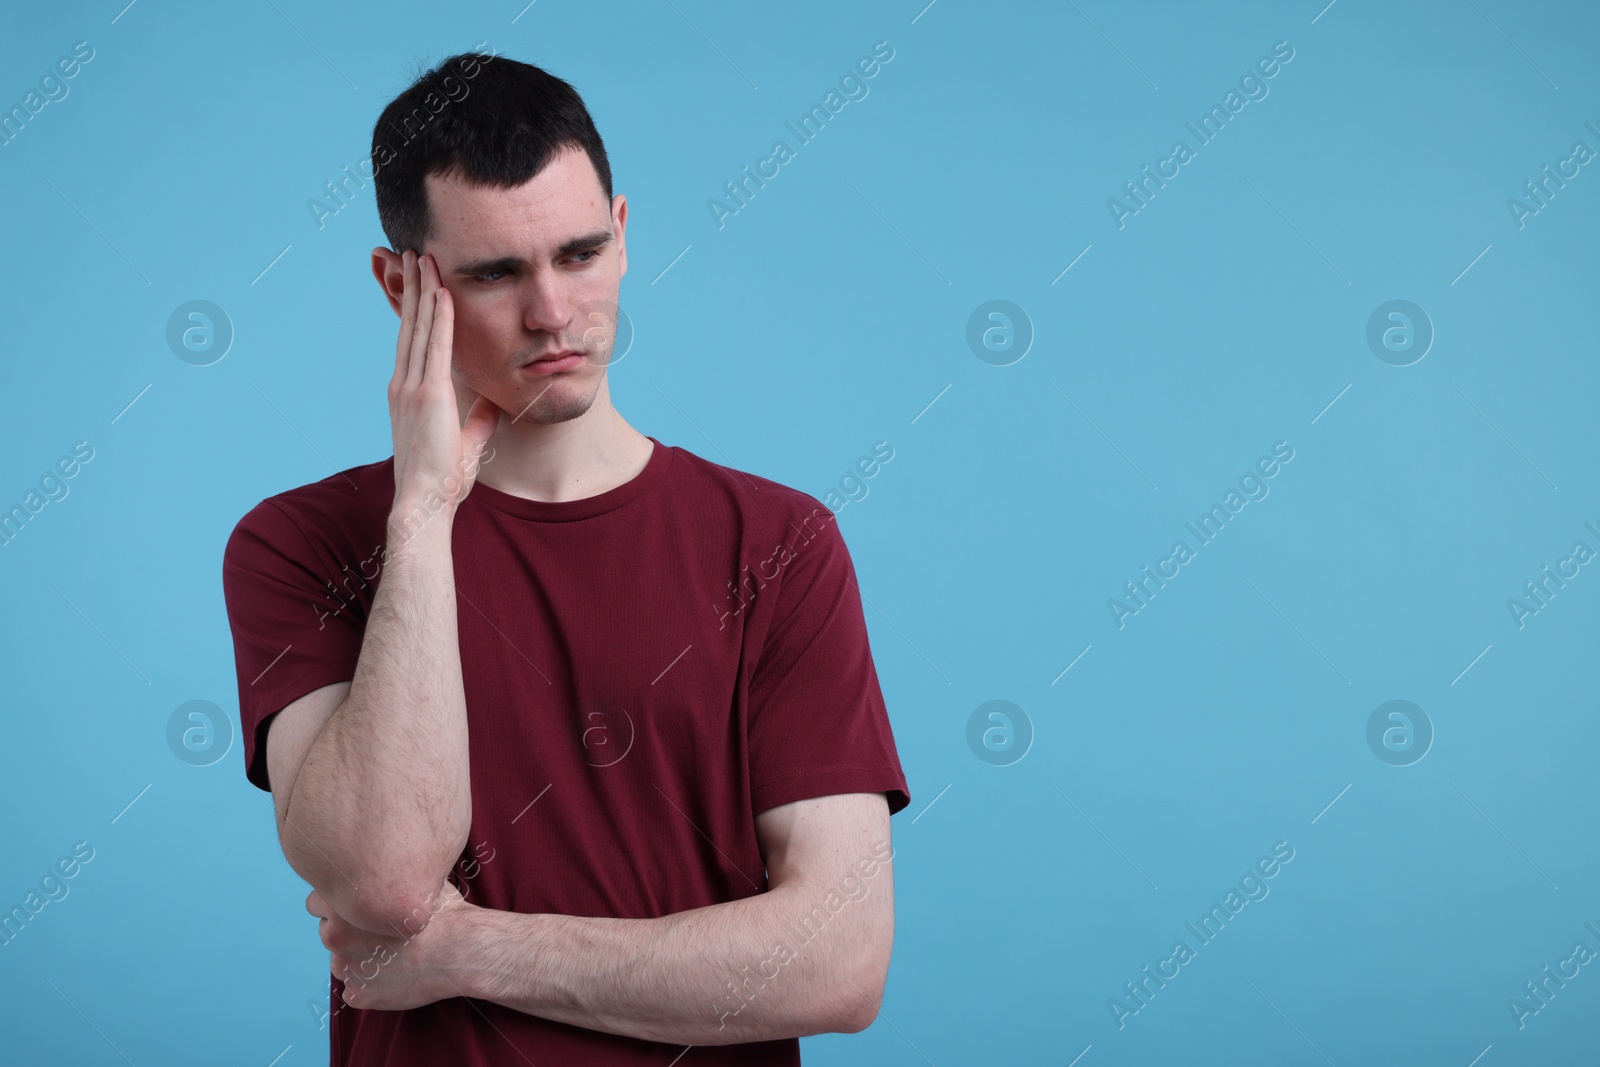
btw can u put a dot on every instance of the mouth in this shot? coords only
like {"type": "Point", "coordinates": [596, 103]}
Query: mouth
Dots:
{"type": "Point", "coordinates": [554, 363]}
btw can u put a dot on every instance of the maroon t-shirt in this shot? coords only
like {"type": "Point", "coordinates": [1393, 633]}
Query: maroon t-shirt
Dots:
{"type": "Point", "coordinates": [644, 671]}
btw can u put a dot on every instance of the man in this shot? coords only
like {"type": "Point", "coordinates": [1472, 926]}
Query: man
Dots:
{"type": "Point", "coordinates": [576, 736]}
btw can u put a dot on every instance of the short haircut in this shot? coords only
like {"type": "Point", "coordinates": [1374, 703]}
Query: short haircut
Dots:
{"type": "Point", "coordinates": [489, 120]}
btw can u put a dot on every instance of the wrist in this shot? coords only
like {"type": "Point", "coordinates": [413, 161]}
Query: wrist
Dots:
{"type": "Point", "coordinates": [454, 931]}
{"type": "Point", "coordinates": [479, 941]}
{"type": "Point", "coordinates": [417, 519]}
{"type": "Point", "coordinates": [508, 958]}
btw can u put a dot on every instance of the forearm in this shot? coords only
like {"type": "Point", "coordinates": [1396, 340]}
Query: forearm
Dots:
{"type": "Point", "coordinates": [745, 970]}
{"type": "Point", "coordinates": [381, 808]}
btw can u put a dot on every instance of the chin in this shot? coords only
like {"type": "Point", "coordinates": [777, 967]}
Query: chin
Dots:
{"type": "Point", "coordinates": [554, 406]}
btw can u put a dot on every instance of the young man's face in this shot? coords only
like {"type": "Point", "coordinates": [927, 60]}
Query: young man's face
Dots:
{"type": "Point", "coordinates": [533, 273]}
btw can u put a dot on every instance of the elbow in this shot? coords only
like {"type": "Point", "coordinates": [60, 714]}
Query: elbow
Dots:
{"type": "Point", "coordinates": [863, 996]}
{"type": "Point", "coordinates": [857, 1020]}
{"type": "Point", "coordinates": [858, 1015]}
{"type": "Point", "coordinates": [369, 907]}
{"type": "Point", "coordinates": [394, 913]}
{"type": "Point", "coordinates": [403, 894]}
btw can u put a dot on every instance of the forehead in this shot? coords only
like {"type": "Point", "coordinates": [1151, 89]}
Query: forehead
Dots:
{"type": "Point", "coordinates": [560, 202]}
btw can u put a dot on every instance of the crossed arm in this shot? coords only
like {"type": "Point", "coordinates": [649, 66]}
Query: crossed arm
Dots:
{"type": "Point", "coordinates": [809, 955]}
{"type": "Point", "coordinates": [370, 782]}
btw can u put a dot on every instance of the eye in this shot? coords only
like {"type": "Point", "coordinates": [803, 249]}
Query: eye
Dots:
{"type": "Point", "coordinates": [591, 253]}
{"type": "Point", "coordinates": [486, 276]}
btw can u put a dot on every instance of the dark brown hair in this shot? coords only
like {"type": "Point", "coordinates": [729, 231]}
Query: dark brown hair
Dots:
{"type": "Point", "coordinates": [491, 120]}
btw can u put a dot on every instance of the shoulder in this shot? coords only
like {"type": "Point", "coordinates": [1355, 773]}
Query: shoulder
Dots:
{"type": "Point", "coordinates": [336, 513]}
{"type": "Point", "coordinates": [757, 499]}
{"type": "Point", "coordinates": [785, 535]}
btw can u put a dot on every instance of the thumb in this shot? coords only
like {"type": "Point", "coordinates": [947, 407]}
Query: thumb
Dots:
{"type": "Point", "coordinates": [483, 418]}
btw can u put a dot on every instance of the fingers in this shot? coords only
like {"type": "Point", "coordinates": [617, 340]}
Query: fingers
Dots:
{"type": "Point", "coordinates": [408, 315]}
{"type": "Point", "coordinates": [422, 329]}
{"type": "Point", "coordinates": [439, 340]}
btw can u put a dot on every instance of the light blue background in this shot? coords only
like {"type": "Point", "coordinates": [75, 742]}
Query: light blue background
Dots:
{"type": "Point", "coordinates": [1225, 316]}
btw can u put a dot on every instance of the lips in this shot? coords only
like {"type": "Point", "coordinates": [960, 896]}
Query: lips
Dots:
{"type": "Point", "coordinates": [552, 364]}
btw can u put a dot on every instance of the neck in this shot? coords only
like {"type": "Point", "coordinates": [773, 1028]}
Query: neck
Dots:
{"type": "Point", "coordinates": [570, 460]}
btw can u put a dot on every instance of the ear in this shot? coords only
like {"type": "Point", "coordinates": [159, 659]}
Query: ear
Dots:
{"type": "Point", "coordinates": [619, 208]}
{"type": "Point", "coordinates": [389, 269]}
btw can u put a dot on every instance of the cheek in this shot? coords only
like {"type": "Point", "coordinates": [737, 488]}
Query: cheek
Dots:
{"type": "Point", "coordinates": [476, 358]}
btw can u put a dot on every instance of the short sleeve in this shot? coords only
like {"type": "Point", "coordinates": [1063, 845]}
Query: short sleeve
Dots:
{"type": "Point", "coordinates": [292, 631]}
{"type": "Point", "coordinates": [817, 720]}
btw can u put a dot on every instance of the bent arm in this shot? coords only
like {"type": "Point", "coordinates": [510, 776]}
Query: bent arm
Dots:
{"type": "Point", "coordinates": [808, 956]}
{"type": "Point", "coordinates": [379, 809]}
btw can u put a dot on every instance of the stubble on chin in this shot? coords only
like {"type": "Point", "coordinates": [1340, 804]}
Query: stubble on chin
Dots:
{"type": "Point", "coordinates": [554, 404]}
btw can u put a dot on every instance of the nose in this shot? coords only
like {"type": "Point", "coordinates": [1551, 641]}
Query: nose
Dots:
{"type": "Point", "coordinates": [548, 305]}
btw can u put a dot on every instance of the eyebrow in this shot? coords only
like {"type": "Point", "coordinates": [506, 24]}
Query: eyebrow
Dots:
{"type": "Point", "coordinates": [587, 242]}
